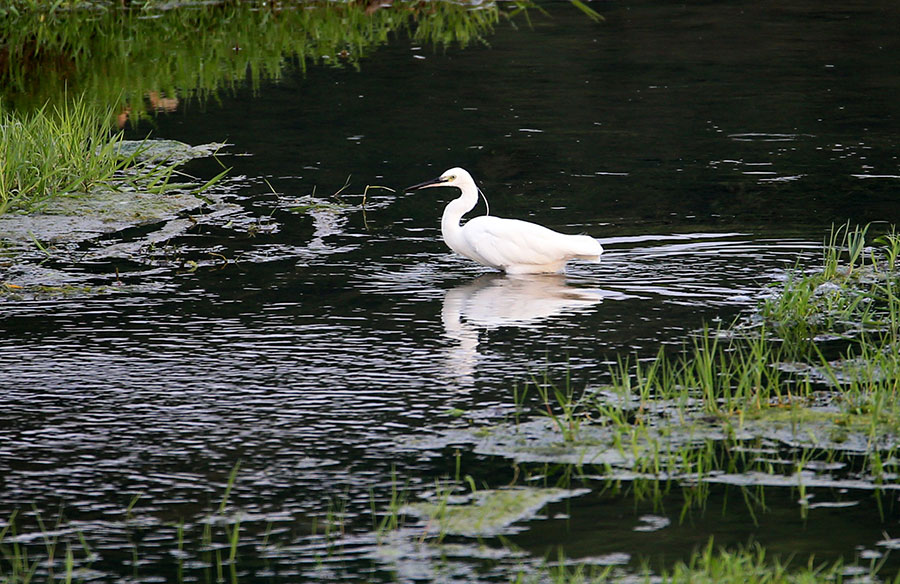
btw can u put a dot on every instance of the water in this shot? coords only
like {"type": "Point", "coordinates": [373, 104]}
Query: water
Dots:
{"type": "Point", "coordinates": [709, 147]}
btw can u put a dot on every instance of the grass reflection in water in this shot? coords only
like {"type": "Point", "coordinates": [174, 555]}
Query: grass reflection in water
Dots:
{"type": "Point", "coordinates": [153, 56]}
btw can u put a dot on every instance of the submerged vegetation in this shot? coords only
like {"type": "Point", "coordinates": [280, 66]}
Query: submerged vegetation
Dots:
{"type": "Point", "coordinates": [214, 548]}
{"type": "Point", "coordinates": [713, 565]}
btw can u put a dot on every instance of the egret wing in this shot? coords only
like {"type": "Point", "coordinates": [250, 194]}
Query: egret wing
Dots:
{"type": "Point", "coordinates": [510, 242]}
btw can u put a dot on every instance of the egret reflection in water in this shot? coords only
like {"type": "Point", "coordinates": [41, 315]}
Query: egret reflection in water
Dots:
{"type": "Point", "coordinates": [494, 300]}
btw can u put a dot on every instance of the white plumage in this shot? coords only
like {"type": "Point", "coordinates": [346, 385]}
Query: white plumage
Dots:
{"type": "Point", "coordinates": [511, 245]}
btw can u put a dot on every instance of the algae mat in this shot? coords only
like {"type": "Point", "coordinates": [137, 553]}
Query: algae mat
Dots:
{"type": "Point", "coordinates": [83, 216]}
{"type": "Point", "coordinates": [486, 513]}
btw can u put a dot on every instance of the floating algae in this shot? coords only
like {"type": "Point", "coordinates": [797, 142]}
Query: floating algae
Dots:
{"type": "Point", "coordinates": [666, 446]}
{"type": "Point", "coordinates": [411, 559]}
{"type": "Point", "coordinates": [487, 513]}
{"type": "Point", "coordinates": [69, 229]}
{"type": "Point", "coordinates": [169, 151]}
{"type": "Point", "coordinates": [76, 218]}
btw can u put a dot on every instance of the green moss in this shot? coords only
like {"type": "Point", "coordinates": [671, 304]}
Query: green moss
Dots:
{"type": "Point", "coordinates": [486, 513]}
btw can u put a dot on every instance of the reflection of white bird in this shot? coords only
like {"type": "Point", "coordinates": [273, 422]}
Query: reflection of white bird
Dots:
{"type": "Point", "coordinates": [493, 300]}
{"type": "Point", "coordinates": [516, 247]}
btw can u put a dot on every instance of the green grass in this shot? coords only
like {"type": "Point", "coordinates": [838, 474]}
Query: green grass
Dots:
{"type": "Point", "coordinates": [65, 150]}
{"type": "Point", "coordinates": [711, 565]}
{"type": "Point", "coordinates": [815, 369]}
{"type": "Point", "coordinates": [55, 150]}
{"type": "Point", "coordinates": [752, 565]}
{"type": "Point", "coordinates": [69, 150]}
{"type": "Point", "coordinates": [854, 291]}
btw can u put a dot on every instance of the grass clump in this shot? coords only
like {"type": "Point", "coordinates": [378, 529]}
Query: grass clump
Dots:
{"type": "Point", "coordinates": [753, 365]}
{"type": "Point", "coordinates": [854, 291]}
{"type": "Point", "coordinates": [69, 150]}
{"type": "Point", "coordinates": [751, 564]}
{"type": "Point", "coordinates": [62, 150]}
{"type": "Point", "coordinates": [54, 150]}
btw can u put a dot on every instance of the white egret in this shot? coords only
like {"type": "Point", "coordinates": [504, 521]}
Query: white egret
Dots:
{"type": "Point", "coordinates": [511, 245]}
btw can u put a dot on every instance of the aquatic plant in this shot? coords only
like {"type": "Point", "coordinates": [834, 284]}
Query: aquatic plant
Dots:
{"type": "Point", "coordinates": [64, 554]}
{"type": "Point", "coordinates": [68, 149]}
{"type": "Point", "coordinates": [561, 405]}
{"type": "Point", "coordinates": [750, 564]}
{"type": "Point", "coordinates": [52, 151]}
{"type": "Point", "coordinates": [855, 290]}
{"type": "Point", "coordinates": [483, 513]}
{"type": "Point", "coordinates": [212, 548]}
{"type": "Point", "coordinates": [753, 565]}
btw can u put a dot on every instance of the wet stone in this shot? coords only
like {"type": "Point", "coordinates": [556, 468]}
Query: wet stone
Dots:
{"type": "Point", "coordinates": [167, 150]}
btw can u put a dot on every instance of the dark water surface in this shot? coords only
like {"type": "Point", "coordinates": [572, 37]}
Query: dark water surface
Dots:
{"type": "Point", "coordinates": [708, 146]}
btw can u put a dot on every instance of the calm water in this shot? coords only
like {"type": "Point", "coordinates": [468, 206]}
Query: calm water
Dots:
{"type": "Point", "coordinates": [708, 146]}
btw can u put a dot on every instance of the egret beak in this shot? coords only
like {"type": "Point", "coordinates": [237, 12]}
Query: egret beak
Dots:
{"type": "Point", "coordinates": [428, 183]}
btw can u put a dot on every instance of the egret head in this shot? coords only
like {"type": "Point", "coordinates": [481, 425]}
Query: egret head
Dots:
{"type": "Point", "coordinates": [455, 177]}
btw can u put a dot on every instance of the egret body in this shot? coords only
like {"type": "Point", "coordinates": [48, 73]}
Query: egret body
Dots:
{"type": "Point", "coordinates": [511, 245]}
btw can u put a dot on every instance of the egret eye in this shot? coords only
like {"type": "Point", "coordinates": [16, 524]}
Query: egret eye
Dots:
{"type": "Point", "coordinates": [449, 178]}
